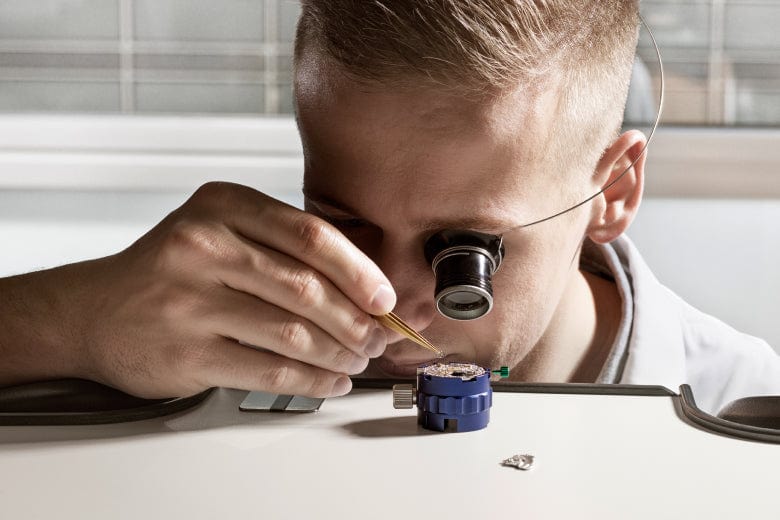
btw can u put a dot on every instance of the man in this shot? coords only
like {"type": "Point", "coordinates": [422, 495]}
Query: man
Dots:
{"type": "Point", "coordinates": [415, 116]}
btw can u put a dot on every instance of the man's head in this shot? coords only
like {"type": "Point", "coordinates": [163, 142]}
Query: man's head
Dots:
{"type": "Point", "coordinates": [421, 115]}
{"type": "Point", "coordinates": [582, 48]}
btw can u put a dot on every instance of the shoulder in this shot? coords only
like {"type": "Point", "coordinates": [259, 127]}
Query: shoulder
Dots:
{"type": "Point", "coordinates": [674, 343]}
{"type": "Point", "coordinates": [723, 363]}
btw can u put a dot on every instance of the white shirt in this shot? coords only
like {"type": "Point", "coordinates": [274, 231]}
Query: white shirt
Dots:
{"type": "Point", "coordinates": [670, 343]}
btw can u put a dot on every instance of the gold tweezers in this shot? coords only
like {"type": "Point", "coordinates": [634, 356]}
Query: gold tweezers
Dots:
{"type": "Point", "coordinates": [393, 322]}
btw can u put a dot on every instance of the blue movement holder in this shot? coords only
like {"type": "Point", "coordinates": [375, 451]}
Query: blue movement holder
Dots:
{"type": "Point", "coordinates": [450, 397]}
{"type": "Point", "coordinates": [453, 404]}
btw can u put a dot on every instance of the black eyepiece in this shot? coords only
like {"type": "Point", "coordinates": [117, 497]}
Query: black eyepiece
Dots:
{"type": "Point", "coordinates": [464, 263]}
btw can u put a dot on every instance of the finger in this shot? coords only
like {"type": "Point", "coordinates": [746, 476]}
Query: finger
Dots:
{"type": "Point", "coordinates": [231, 365]}
{"type": "Point", "coordinates": [287, 283]}
{"type": "Point", "coordinates": [312, 241]}
{"type": "Point", "coordinates": [242, 317]}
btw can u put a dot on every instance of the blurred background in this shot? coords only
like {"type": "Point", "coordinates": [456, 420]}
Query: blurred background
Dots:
{"type": "Point", "coordinates": [147, 56]}
{"type": "Point", "coordinates": [234, 57]}
{"type": "Point", "coordinates": [113, 111]}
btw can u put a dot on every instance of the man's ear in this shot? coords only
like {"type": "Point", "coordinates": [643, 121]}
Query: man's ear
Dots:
{"type": "Point", "coordinates": [615, 209]}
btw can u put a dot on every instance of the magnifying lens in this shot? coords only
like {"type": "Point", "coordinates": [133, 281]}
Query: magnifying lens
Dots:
{"type": "Point", "coordinates": [465, 261]}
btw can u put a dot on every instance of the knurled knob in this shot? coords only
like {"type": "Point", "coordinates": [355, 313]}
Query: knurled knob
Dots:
{"type": "Point", "coordinates": [404, 396]}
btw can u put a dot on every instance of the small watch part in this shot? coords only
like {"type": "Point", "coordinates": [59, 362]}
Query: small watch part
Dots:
{"type": "Point", "coordinates": [502, 372]}
{"type": "Point", "coordinates": [404, 396]}
{"type": "Point", "coordinates": [523, 462]}
{"type": "Point", "coordinates": [465, 371]}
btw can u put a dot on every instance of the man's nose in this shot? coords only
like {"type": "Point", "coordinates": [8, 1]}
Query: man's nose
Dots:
{"type": "Point", "coordinates": [413, 280]}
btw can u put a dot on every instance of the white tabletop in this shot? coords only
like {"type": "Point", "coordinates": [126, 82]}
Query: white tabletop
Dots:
{"type": "Point", "coordinates": [596, 457]}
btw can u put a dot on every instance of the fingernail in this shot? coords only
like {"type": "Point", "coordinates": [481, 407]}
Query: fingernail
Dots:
{"type": "Point", "coordinates": [377, 344]}
{"type": "Point", "coordinates": [342, 386]}
{"type": "Point", "coordinates": [383, 300]}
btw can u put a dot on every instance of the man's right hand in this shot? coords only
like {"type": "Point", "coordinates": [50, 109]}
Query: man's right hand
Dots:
{"type": "Point", "coordinates": [176, 312]}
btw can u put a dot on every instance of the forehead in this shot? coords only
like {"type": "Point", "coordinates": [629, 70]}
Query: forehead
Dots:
{"type": "Point", "coordinates": [362, 137]}
{"type": "Point", "coordinates": [322, 87]}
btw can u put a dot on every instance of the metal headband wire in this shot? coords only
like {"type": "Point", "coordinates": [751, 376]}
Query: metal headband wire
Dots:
{"type": "Point", "coordinates": [644, 149]}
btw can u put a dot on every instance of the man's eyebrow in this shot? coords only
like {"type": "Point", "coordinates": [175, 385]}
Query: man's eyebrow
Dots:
{"type": "Point", "coordinates": [318, 198]}
{"type": "Point", "coordinates": [485, 224]}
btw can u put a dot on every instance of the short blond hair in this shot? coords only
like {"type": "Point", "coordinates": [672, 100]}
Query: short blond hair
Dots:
{"type": "Point", "coordinates": [478, 46]}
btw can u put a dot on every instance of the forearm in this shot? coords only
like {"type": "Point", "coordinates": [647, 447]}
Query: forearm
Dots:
{"type": "Point", "coordinates": [41, 325]}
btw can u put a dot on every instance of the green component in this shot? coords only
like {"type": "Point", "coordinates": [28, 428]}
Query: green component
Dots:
{"type": "Point", "coordinates": [503, 371]}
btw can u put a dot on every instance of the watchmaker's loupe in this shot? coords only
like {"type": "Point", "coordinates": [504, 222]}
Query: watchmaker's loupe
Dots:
{"type": "Point", "coordinates": [464, 263]}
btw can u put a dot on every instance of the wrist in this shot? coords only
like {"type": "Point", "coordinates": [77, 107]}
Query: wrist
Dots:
{"type": "Point", "coordinates": [42, 325]}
